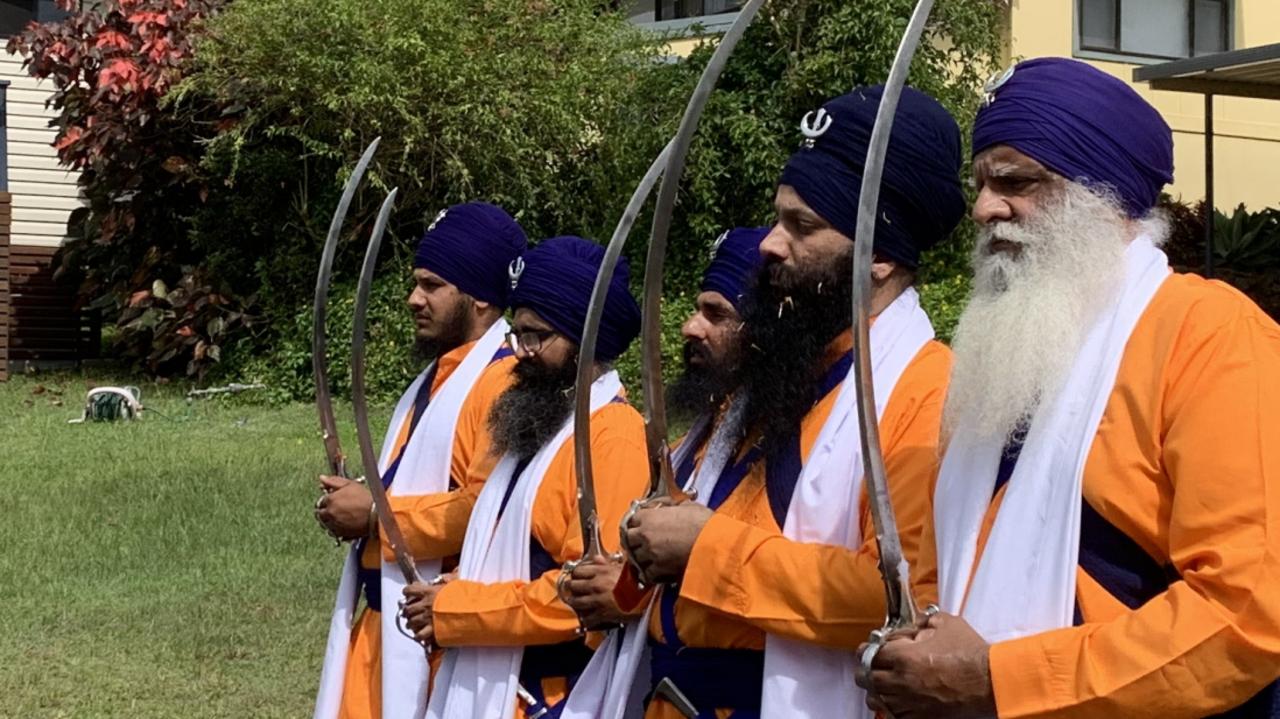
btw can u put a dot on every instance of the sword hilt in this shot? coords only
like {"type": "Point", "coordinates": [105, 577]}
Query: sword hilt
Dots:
{"type": "Point", "coordinates": [892, 627]}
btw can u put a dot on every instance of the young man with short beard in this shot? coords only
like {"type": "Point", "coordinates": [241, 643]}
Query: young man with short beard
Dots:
{"type": "Point", "coordinates": [437, 432]}
{"type": "Point", "coordinates": [499, 617]}
{"type": "Point", "coordinates": [1106, 513]}
{"type": "Point", "coordinates": [778, 556]}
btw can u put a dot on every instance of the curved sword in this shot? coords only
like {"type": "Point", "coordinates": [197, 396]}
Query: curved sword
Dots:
{"type": "Point", "coordinates": [368, 456]}
{"type": "Point", "coordinates": [662, 478]}
{"type": "Point", "coordinates": [319, 340]}
{"type": "Point", "coordinates": [902, 612]}
{"type": "Point", "coordinates": [588, 516]}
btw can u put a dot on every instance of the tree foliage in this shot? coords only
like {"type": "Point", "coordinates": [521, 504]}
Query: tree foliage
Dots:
{"type": "Point", "coordinates": [111, 64]}
{"type": "Point", "coordinates": [214, 159]}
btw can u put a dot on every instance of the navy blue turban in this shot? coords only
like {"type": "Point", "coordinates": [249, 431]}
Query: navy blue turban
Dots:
{"type": "Point", "coordinates": [921, 200]}
{"type": "Point", "coordinates": [470, 246]}
{"type": "Point", "coordinates": [1083, 124]}
{"type": "Point", "coordinates": [734, 262]}
{"type": "Point", "coordinates": [555, 279]}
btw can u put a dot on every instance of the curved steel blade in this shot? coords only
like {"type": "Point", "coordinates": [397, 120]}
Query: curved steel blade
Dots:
{"type": "Point", "coordinates": [368, 455]}
{"type": "Point", "coordinates": [893, 564]}
{"type": "Point", "coordinates": [662, 478]}
{"type": "Point", "coordinates": [587, 512]}
{"type": "Point", "coordinates": [319, 340]}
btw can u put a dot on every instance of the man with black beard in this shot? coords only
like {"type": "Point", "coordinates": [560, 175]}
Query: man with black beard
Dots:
{"type": "Point", "coordinates": [437, 432]}
{"type": "Point", "coordinates": [711, 334]}
{"type": "Point", "coordinates": [776, 560]}
{"type": "Point", "coordinates": [711, 353]}
{"type": "Point", "coordinates": [499, 617]}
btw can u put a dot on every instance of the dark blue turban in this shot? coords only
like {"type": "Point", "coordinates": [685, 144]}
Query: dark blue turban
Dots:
{"type": "Point", "coordinates": [921, 200]}
{"type": "Point", "coordinates": [1083, 124]}
{"type": "Point", "coordinates": [734, 262]}
{"type": "Point", "coordinates": [555, 279]}
{"type": "Point", "coordinates": [470, 246]}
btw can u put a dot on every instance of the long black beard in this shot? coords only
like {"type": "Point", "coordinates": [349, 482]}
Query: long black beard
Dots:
{"type": "Point", "coordinates": [699, 388]}
{"type": "Point", "coordinates": [790, 319]}
{"type": "Point", "coordinates": [532, 410]}
{"type": "Point", "coordinates": [453, 334]}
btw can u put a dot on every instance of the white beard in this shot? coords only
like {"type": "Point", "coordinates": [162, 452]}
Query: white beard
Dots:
{"type": "Point", "coordinates": [1027, 318]}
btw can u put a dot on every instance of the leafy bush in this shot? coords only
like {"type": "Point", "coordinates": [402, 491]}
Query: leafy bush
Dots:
{"type": "Point", "coordinates": [944, 300]}
{"type": "Point", "coordinates": [230, 160]}
{"type": "Point", "coordinates": [111, 64]}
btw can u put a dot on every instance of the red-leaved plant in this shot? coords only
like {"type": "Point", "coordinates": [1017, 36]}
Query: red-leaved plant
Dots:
{"type": "Point", "coordinates": [112, 64]}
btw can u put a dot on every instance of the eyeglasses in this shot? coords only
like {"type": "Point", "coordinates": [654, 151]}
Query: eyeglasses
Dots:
{"type": "Point", "coordinates": [529, 341]}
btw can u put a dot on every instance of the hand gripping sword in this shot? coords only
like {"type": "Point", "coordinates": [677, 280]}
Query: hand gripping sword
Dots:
{"type": "Point", "coordinates": [588, 516]}
{"type": "Point", "coordinates": [662, 487]}
{"type": "Point", "coordinates": [359, 402]}
{"type": "Point", "coordinates": [319, 341]}
{"type": "Point", "coordinates": [902, 612]}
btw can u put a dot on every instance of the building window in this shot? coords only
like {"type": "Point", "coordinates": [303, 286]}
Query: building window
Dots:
{"type": "Point", "coordinates": [1160, 29]}
{"type": "Point", "coordinates": [678, 9]}
{"type": "Point", "coordinates": [15, 15]}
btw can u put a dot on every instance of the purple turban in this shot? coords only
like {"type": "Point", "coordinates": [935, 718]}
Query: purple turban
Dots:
{"type": "Point", "coordinates": [921, 200]}
{"type": "Point", "coordinates": [555, 279]}
{"type": "Point", "coordinates": [734, 262]}
{"type": "Point", "coordinates": [1083, 124]}
{"type": "Point", "coordinates": [470, 246]}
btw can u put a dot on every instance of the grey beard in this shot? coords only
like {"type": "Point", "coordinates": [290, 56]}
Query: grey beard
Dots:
{"type": "Point", "coordinates": [1019, 336]}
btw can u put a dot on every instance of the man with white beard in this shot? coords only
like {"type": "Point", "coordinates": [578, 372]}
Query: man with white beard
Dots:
{"type": "Point", "coordinates": [1107, 515]}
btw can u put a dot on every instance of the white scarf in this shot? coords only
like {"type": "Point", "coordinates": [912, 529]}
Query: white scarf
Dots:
{"type": "Point", "coordinates": [479, 682]}
{"type": "Point", "coordinates": [1025, 580]}
{"type": "Point", "coordinates": [800, 679]}
{"type": "Point", "coordinates": [424, 469]}
{"type": "Point", "coordinates": [803, 679]}
{"type": "Point", "coordinates": [614, 683]}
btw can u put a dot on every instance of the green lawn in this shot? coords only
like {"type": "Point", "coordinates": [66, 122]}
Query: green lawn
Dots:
{"type": "Point", "coordinates": [164, 567]}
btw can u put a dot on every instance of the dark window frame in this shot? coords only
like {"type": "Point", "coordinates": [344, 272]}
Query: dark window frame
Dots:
{"type": "Point", "coordinates": [1226, 36]}
{"type": "Point", "coordinates": [688, 9]}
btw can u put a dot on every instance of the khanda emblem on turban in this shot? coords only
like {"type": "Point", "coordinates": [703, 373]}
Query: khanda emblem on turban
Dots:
{"type": "Point", "coordinates": [514, 270]}
{"type": "Point", "coordinates": [439, 216]}
{"type": "Point", "coordinates": [715, 246]}
{"type": "Point", "coordinates": [996, 82]}
{"type": "Point", "coordinates": [813, 125]}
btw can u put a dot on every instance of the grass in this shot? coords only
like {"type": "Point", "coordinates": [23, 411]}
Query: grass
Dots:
{"type": "Point", "coordinates": [167, 567]}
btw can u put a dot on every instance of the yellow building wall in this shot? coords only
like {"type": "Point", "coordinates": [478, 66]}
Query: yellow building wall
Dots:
{"type": "Point", "coordinates": [1246, 132]}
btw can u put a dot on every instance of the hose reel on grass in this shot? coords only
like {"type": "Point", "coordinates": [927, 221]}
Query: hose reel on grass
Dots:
{"type": "Point", "coordinates": [108, 404]}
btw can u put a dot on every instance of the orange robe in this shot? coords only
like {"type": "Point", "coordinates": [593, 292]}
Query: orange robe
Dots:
{"type": "Point", "coordinates": [362, 683]}
{"type": "Point", "coordinates": [530, 613]}
{"type": "Point", "coordinates": [1185, 468]}
{"type": "Point", "coordinates": [744, 578]}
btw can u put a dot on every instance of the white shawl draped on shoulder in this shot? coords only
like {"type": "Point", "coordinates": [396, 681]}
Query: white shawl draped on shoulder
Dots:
{"type": "Point", "coordinates": [424, 469]}
{"type": "Point", "coordinates": [479, 682]}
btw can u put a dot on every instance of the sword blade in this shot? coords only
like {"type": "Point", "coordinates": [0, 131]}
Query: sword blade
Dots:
{"type": "Point", "coordinates": [319, 340]}
{"type": "Point", "coordinates": [588, 515]}
{"type": "Point", "coordinates": [893, 565]}
{"type": "Point", "coordinates": [369, 458]}
{"type": "Point", "coordinates": [662, 478]}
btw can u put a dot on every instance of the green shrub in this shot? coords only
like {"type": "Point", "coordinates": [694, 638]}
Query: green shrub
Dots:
{"type": "Point", "coordinates": [944, 300]}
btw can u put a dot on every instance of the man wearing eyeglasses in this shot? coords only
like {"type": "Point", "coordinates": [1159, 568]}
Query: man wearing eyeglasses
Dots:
{"type": "Point", "coordinates": [437, 432]}
{"type": "Point", "coordinates": [511, 646]}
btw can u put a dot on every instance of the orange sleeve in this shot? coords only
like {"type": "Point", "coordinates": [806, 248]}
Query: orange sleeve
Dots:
{"type": "Point", "coordinates": [434, 524]}
{"type": "Point", "coordinates": [1211, 640]}
{"type": "Point", "coordinates": [525, 613]}
{"type": "Point", "coordinates": [785, 587]}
